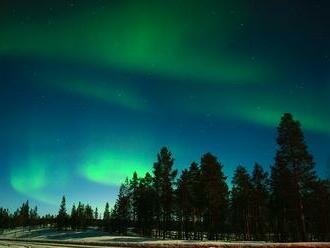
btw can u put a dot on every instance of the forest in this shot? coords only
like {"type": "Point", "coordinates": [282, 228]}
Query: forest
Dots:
{"type": "Point", "coordinates": [287, 203]}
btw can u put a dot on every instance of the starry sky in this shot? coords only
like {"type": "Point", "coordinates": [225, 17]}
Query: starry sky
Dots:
{"type": "Point", "coordinates": [91, 90]}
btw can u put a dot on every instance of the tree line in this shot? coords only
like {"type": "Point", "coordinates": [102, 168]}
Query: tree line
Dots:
{"type": "Point", "coordinates": [290, 203]}
{"type": "Point", "coordinates": [25, 216]}
{"type": "Point", "coordinates": [81, 217]}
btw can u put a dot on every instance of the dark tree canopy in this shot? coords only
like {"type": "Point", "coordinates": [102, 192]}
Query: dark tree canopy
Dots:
{"type": "Point", "coordinates": [241, 202]}
{"type": "Point", "coordinates": [290, 204]}
{"type": "Point", "coordinates": [292, 177]}
{"type": "Point", "coordinates": [62, 216]}
{"type": "Point", "coordinates": [215, 195]}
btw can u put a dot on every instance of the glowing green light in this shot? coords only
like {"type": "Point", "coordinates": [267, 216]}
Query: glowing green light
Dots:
{"type": "Point", "coordinates": [120, 96]}
{"type": "Point", "coordinates": [263, 107]}
{"type": "Point", "coordinates": [112, 169]}
{"type": "Point", "coordinates": [190, 43]}
{"type": "Point", "coordinates": [270, 117]}
{"type": "Point", "coordinates": [31, 179]}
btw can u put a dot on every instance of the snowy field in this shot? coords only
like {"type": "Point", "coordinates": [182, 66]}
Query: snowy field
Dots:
{"type": "Point", "coordinates": [19, 238]}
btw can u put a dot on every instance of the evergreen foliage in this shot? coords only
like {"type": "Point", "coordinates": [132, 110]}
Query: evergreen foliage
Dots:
{"type": "Point", "coordinates": [290, 204]}
{"type": "Point", "coordinates": [62, 216]}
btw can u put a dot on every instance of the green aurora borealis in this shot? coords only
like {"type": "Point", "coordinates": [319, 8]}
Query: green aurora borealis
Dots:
{"type": "Point", "coordinates": [142, 36]}
{"type": "Point", "coordinates": [109, 169]}
{"type": "Point", "coordinates": [93, 89]}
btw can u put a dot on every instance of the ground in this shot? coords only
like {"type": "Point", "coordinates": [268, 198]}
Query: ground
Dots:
{"type": "Point", "coordinates": [46, 237]}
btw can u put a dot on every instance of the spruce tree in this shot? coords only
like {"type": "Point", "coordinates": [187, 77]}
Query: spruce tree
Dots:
{"type": "Point", "coordinates": [215, 195]}
{"type": "Point", "coordinates": [164, 176]}
{"type": "Point", "coordinates": [292, 175]}
{"type": "Point", "coordinates": [23, 215]}
{"type": "Point", "coordinates": [106, 214]}
{"type": "Point", "coordinates": [133, 187]}
{"type": "Point", "coordinates": [33, 215]}
{"type": "Point", "coordinates": [96, 217]}
{"type": "Point", "coordinates": [241, 202]}
{"type": "Point", "coordinates": [259, 202]}
{"type": "Point", "coordinates": [184, 203]}
{"type": "Point", "coordinates": [5, 218]}
{"type": "Point", "coordinates": [196, 198]}
{"type": "Point", "coordinates": [62, 216]}
{"type": "Point", "coordinates": [96, 214]}
{"type": "Point", "coordinates": [121, 211]}
{"type": "Point", "coordinates": [317, 210]}
{"type": "Point", "coordinates": [73, 219]}
{"type": "Point", "coordinates": [145, 201]}
{"type": "Point", "coordinates": [157, 180]}
{"type": "Point", "coordinates": [106, 217]}
{"type": "Point", "coordinates": [89, 215]}
{"type": "Point", "coordinates": [81, 216]}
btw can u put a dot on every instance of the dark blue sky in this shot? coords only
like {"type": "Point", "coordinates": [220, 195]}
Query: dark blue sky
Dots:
{"type": "Point", "coordinates": [91, 90]}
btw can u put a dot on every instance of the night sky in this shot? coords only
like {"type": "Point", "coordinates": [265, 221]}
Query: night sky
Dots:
{"type": "Point", "coordinates": [91, 90]}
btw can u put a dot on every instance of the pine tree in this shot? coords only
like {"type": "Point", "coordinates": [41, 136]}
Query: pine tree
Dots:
{"type": "Point", "coordinates": [24, 214]}
{"type": "Point", "coordinates": [106, 214]}
{"type": "Point", "coordinates": [62, 216]}
{"type": "Point", "coordinates": [157, 180]}
{"type": "Point", "coordinates": [241, 202]}
{"type": "Point", "coordinates": [96, 214]}
{"type": "Point", "coordinates": [133, 187]}
{"type": "Point", "coordinates": [33, 215]}
{"type": "Point", "coordinates": [73, 219]}
{"type": "Point", "coordinates": [81, 216]}
{"type": "Point", "coordinates": [5, 218]}
{"type": "Point", "coordinates": [259, 202]}
{"type": "Point", "coordinates": [106, 217]}
{"type": "Point", "coordinates": [96, 217]}
{"type": "Point", "coordinates": [164, 176]}
{"type": "Point", "coordinates": [121, 211]}
{"type": "Point", "coordinates": [184, 203]}
{"type": "Point", "coordinates": [89, 215]}
{"type": "Point", "coordinates": [196, 198]}
{"type": "Point", "coordinates": [215, 192]}
{"type": "Point", "coordinates": [279, 201]}
{"type": "Point", "coordinates": [144, 204]}
{"type": "Point", "coordinates": [293, 173]}
{"type": "Point", "coordinates": [317, 210]}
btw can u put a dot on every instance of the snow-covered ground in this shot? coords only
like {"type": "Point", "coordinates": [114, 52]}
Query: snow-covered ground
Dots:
{"type": "Point", "coordinates": [92, 237]}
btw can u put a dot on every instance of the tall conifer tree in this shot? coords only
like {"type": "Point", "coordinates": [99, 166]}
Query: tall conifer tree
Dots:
{"type": "Point", "coordinates": [241, 202]}
{"type": "Point", "coordinates": [164, 176]}
{"type": "Point", "coordinates": [215, 194]}
{"type": "Point", "coordinates": [62, 217]}
{"type": "Point", "coordinates": [292, 175]}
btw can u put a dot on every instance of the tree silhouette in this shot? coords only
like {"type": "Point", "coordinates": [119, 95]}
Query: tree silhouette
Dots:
{"type": "Point", "coordinates": [292, 205]}
{"type": "Point", "coordinates": [197, 199]}
{"type": "Point", "coordinates": [34, 217]}
{"type": "Point", "coordinates": [121, 210]}
{"type": "Point", "coordinates": [317, 210]}
{"type": "Point", "coordinates": [62, 216]}
{"type": "Point", "coordinates": [164, 176]}
{"type": "Point", "coordinates": [96, 217]}
{"type": "Point", "coordinates": [144, 204]}
{"type": "Point", "coordinates": [241, 202]}
{"type": "Point", "coordinates": [4, 218]}
{"type": "Point", "coordinates": [106, 217]}
{"type": "Point", "coordinates": [259, 202]}
{"type": "Point", "coordinates": [184, 203]}
{"type": "Point", "coordinates": [293, 174]}
{"type": "Point", "coordinates": [133, 187]}
{"type": "Point", "coordinates": [88, 215]}
{"type": "Point", "coordinates": [23, 214]}
{"type": "Point", "coordinates": [74, 218]}
{"type": "Point", "coordinates": [215, 195]}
